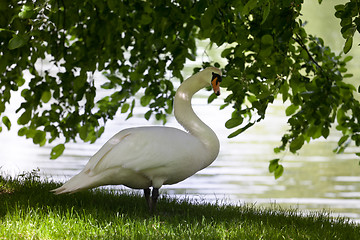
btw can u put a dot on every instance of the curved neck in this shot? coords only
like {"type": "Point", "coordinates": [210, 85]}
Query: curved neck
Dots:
{"type": "Point", "coordinates": [185, 115]}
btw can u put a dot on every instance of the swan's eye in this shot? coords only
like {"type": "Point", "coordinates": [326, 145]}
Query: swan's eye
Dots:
{"type": "Point", "coordinates": [216, 77]}
{"type": "Point", "coordinates": [215, 82]}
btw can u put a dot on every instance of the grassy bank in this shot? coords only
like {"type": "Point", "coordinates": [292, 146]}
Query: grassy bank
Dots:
{"type": "Point", "coordinates": [29, 211]}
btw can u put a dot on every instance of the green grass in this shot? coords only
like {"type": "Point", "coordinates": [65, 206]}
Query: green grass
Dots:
{"type": "Point", "coordinates": [29, 211]}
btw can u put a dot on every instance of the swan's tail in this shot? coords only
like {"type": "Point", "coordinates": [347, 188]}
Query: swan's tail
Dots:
{"type": "Point", "coordinates": [77, 183]}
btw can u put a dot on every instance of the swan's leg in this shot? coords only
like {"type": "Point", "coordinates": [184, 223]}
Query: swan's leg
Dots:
{"type": "Point", "coordinates": [147, 197]}
{"type": "Point", "coordinates": [154, 198]}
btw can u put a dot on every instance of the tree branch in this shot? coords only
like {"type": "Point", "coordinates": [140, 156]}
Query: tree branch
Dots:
{"type": "Point", "coordinates": [298, 40]}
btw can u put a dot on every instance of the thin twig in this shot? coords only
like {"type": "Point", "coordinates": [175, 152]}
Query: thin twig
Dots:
{"type": "Point", "coordinates": [298, 40]}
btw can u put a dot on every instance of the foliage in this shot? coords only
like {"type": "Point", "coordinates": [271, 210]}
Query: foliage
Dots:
{"type": "Point", "coordinates": [349, 14]}
{"type": "Point", "coordinates": [137, 44]}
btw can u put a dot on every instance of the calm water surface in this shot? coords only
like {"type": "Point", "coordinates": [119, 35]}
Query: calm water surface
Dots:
{"type": "Point", "coordinates": [314, 179]}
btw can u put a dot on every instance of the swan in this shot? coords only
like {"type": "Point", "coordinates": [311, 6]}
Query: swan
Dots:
{"type": "Point", "coordinates": [152, 156]}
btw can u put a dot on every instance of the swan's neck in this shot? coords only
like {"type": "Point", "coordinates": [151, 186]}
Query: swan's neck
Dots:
{"type": "Point", "coordinates": [185, 115]}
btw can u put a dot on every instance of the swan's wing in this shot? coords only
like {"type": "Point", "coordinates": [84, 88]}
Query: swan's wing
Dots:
{"type": "Point", "coordinates": [141, 149]}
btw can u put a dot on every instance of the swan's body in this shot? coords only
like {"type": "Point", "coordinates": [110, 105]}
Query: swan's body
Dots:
{"type": "Point", "coordinates": [146, 157]}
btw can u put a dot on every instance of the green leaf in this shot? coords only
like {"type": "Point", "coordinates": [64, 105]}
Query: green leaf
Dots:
{"type": "Point", "coordinates": [145, 100]}
{"type": "Point", "coordinates": [22, 131]}
{"type": "Point", "coordinates": [279, 171]}
{"type": "Point", "coordinates": [27, 11]}
{"type": "Point", "coordinates": [20, 81]}
{"type": "Point", "coordinates": [169, 103]}
{"type": "Point", "coordinates": [206, 19]}
{"type": "Point", "coordinates": [291, 110]}
{"type": "Point", "coordinates": [80, 81]}
{"type": "Point", "coordinates": [340, 117]}
{"type": "Point", "coordinates": [325, 132]}
{"type": "Point", "coordinates": [226, 52]}
{"type": "Point", "coordinates": [348, 58]}
{"type": "Point", "coordinates": [25, 117]}
{"type": "Point", "coordinates": [146, 19]}
{"type": "Point", "coordinates": [83, 132]}
{"type": "Point", "coordinates": [125, 107]}
{"type": "Point", "coordinates": [276, 168]}
{"type": "Point", "coordinates": [266, 11]}
{"type": "Point", "coordinates": [46, 96]}
{"type": "Point", "coordinates": [314, 131]}
{"type": "Point", "coordinates": [250, 5]}
{"type": "Point", "coordinates": [113, 4]}
{"type": "Point", "coordinates": [339, 7]}
{"type": "Point", "coordinates": [100, 132]}
{"type": "Point", "coordinates": [297, 143]}
{"type": "Point", "coordinates": [6, 122]}
{"type": "Point", "coordinates": [237, 132]}
{"type": "Point", "coordinates": [343, 140]}
{"type": "Point", "coordinates": [273, 165]}
{"type": "Point", "coordinates": [57, 151]}
{"type": "Point", "coordinates": [348, 44]}
{"type": "Point", "coordinates": [267, 40]}
{"type": "Point", "coordinates": [224, 106]}
{"type": "Point", "coordinates": [2, 106]}
{"type": "Point", "coordinates": [131, 110]}
{"type": "Point", "coordinates": [212, 97]}
{"type": "Point", "coordinates": [107, 85]}
{"type": "Point", "coordinates": [277, 150]}
{"type": "Point", "coordinates": [148, 114]}
{"type": "Point", "coordinates": [17, 41]}
{"type": "Point", "coordinates": [348, 75]}
{"type": "Point", "coordinates": [39, 137]}
{"type": "Point", "coordinates": [6, 30]}
{"type": "Point", "coordinates": [234, 122]}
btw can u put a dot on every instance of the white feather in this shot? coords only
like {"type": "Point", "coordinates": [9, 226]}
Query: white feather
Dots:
{"type": "Point", "coordinates": [152, 156]}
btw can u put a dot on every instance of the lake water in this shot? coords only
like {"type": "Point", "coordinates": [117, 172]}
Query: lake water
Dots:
{"type": "Point", "coordinates": [314, 179]}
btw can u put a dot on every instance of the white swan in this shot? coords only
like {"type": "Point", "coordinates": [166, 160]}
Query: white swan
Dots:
{"type": "Point", "coordinates": [145, 157]}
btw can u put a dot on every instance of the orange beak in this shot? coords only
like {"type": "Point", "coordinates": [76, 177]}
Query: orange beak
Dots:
{"type": "Point", "coordinates": [215, 83]}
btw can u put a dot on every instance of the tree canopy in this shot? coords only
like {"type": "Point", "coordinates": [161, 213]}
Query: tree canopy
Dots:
{"type": "Point", "coordinates": [137, 43]}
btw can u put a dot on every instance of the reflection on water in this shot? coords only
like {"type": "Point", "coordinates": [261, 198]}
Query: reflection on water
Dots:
{"type": "Point", "coordinates": [314, 179]}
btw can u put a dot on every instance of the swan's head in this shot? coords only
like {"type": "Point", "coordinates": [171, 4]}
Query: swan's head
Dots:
{"type": "Point", "coordinates": [210, 76]}
{"type": "Point", "coordinates": [215, 79]}
{"type": "Point", "coordinates": [215, 83]}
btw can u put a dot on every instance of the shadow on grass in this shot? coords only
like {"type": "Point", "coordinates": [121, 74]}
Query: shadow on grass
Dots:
{"type": "Point", "coordinates": [27, 194]}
